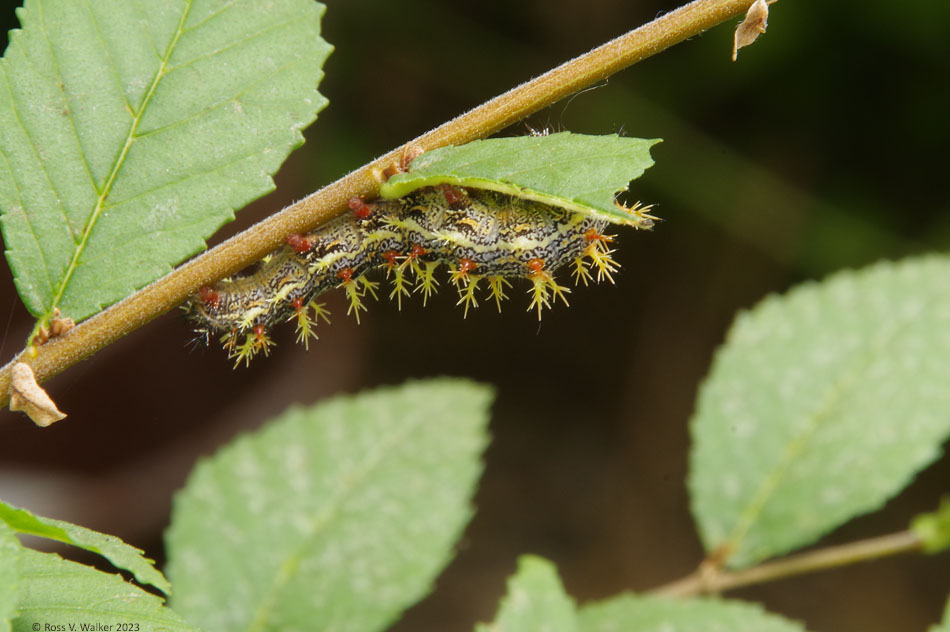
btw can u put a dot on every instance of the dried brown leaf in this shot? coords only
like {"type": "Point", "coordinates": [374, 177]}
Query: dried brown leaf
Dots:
{"type": "Point", "coordinates": [755, 22]}
{"type": "Point", "coordinates": [28, 396]}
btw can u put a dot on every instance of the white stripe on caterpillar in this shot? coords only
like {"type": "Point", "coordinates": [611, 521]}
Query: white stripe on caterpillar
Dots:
{"type": "Point", "coordinates": [477, 234]}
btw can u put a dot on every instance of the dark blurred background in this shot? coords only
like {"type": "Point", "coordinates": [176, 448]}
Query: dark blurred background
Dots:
{"type": "Point", "coordinates": [823, 147]}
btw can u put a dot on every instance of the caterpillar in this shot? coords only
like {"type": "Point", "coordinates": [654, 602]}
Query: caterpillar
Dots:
{"type": "Point", "coordinates": [479, 235]}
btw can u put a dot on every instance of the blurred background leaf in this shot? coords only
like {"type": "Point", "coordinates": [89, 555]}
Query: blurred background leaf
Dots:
{"type": "Point", "coordinates": [535, 601]}
{"type": "Point", "coordinates": [945, 624]}
{"type": "Point", "coordinates": [337, 516]}
{"type": "Point", "coordinates": [821, 405]}
{"type": "Point", "coordinates": [121, 555]}
{"type": "Point", "coordinates": [56, 592]}
{"type": "Point", "coordinates": [9, 575]}
{"type": "Point", "coordinates": [657, 614]}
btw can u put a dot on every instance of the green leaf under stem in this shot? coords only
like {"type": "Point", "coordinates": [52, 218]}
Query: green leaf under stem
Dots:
{"type": "Point", "coordinates": [120, 554]}
{"type": "Point", "coordinates": [131, 130]}
{"type": "Point", "coordinates": [337, 516]}
{"type": "Point", "coordinates": [575, 171]}
{"type": "Point", "coordinates": [821, 405]}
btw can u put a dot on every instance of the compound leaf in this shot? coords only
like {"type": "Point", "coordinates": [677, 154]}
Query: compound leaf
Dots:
{"type": "Point", "coordinates": [56, 593]}
{"type": "Point", "coordinates": [334, 517]}
{"type": "Point", "coordinates": [131, 130]}
{"type": "Point", "coordinates": [821, 405]}
{"type": "Point", "coordinates": [575, 171]}
{"type": "Point", "coordinates": [120, 554]}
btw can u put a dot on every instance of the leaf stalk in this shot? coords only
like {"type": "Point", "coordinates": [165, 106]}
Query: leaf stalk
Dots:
{"type": "Point", "coordinates": [711, 579]}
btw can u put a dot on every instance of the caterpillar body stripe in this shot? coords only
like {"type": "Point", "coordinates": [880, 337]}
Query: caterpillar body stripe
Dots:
{"type": "Point", "coordinates": [477, 234]}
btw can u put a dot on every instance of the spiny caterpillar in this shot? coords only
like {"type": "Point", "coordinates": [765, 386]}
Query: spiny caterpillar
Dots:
{"type": "Point", "coordinates": [477, 234]}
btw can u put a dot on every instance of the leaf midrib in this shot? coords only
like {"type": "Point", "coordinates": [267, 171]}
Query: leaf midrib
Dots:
{"type": "Point", "coordinates": [836, 393]}
{"type": "Point", "coordinates": [117, 166]}
{"type": "Point", "coordinates": [322, 521]}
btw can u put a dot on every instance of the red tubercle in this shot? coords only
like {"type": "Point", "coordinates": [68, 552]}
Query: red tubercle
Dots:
{"type": "Point", "coordinates": [466, 266]}
{"type": "Point", "coordinates": [360, 209]}
{"type": "Point", "coordinates": [259, 331]}
{"type": "Point", "coordinates": [593, 235]}
{"type": "Point", "coordinates": [345, 275]}
{"type": "Point", "coordinates": [209, 296]}
{"type": "Point", "coordinates": [536, 266]}
{"type": "Point", "coordinates": [417, 251]}
{"type": "Point", "coordinates": [454, 196]}
{"type": "Point", "coordinates": [299, 243]}
{"type": "Point", "coordinates": [390, 257]}
{"type": "Point", "coordinates": [298, 304]}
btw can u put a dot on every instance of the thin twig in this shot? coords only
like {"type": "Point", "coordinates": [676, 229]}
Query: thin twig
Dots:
{"type": "Point", "coordinates": [251, 245]}
{"type": "Point", "coordinates": [706, 580]}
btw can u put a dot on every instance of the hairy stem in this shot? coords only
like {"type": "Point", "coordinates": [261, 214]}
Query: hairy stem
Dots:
{"type": "Point", "coordinates": [244, 249]}
{"type": "Point", "coordinates": [710, 579]}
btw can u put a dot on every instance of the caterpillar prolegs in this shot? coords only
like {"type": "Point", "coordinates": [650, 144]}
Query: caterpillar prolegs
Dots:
{"type": "Point", "coordinates": [484, 238]}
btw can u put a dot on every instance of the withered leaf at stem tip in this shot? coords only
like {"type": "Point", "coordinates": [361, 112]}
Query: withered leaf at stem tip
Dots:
{"type": "Point", "coordinates": [28, 396]}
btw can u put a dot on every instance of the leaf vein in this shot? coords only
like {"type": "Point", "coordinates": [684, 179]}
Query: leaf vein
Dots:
{"type": "Point", "coordinates": [822, 412]}
{"type": "Point", "coordinates": [223, 102]}
{"type": "Point", "coordinates": [130, 138]}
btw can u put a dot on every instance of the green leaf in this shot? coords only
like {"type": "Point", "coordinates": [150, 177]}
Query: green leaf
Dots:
{"type": "Point", "coordinates": [944, 626]}
{"type": "Point", "coordinates": [582, 173]}
{"type": "Point", "coordinates": [536, 601]}
{"type": "Point", "coordinates": [822, 404]}
{"type": "Point", "coordinates": [56, 592]}
{"type": "Point", "coordinates": [9, 576]}
{"type": "Point", "coordinates": [130, 131]}
{"type": "Point", "coordinates": [120, 554]}
{"type": "Point", "coordinates": [631, 613]}
{"type": "Point", "coordinates": [934, 528]}
{"type": "Point", "coordinates": [334, 517]}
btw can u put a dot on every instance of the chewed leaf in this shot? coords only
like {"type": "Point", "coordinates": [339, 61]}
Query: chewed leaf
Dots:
{"type": "Point", "coordinates": [636, 613]}
{"type": "Point", "coordinates": [822, 404]}
{"type": "Point", "coordinates": [535, 601]}
{"type": "Point", "coordinates": [130, 131]}
{"type": "Point", "coordinates": [121, 555]}
{"type": "Point", "coordinates": [64, 595]}
{"type": "Point", "coordinates": [574, 171]}
{"type": "Point", "coordinates": [333, 517]}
